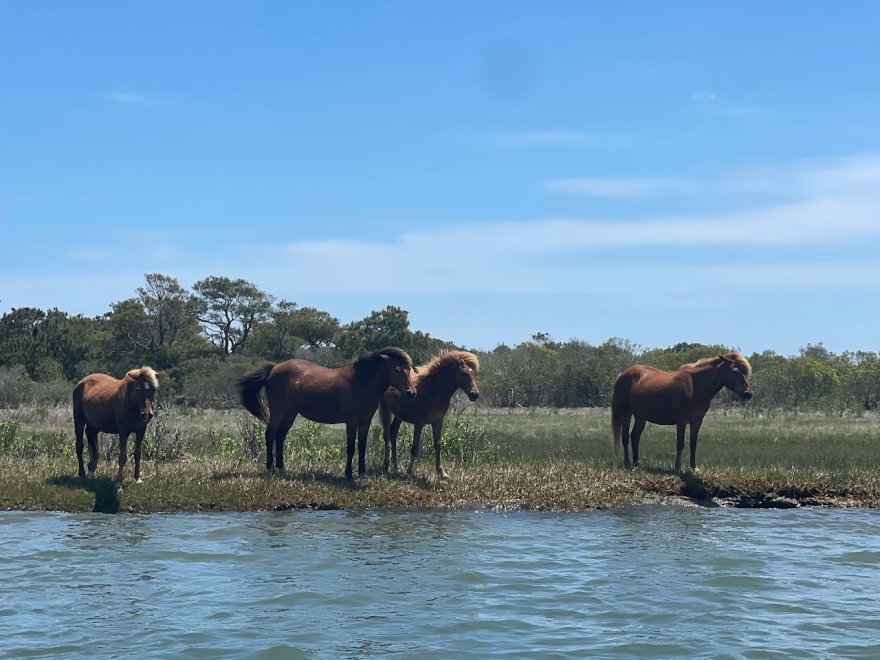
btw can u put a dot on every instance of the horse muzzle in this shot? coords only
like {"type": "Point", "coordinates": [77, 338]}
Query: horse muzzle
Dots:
{"type": "Point", "coordinates": [745, 396]}
{"type": "Point", "coordinates": [410, 394]}
{"type": "Point", "coordinates": [473, 395]}
{"type": "Point", "coordinates": [147, 415]}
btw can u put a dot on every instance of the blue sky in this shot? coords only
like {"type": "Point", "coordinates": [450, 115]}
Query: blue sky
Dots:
{"type": "Point", "coordinates": [660, 172]}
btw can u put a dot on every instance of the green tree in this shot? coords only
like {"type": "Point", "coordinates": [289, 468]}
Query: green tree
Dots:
{"type": "Point", "coordinates": [385, 327]}
{"type": "Point", "coordinates": [228, 310]}
{"type": "Point", "coordinates": [290, 329]}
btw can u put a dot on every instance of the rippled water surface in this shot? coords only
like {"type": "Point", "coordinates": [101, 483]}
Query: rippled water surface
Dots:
{"type": "Point", "coordinates": [646, 581]}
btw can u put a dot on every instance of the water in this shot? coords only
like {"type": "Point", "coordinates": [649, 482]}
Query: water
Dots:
{"type": "Point", "coordinates": [645, 581]}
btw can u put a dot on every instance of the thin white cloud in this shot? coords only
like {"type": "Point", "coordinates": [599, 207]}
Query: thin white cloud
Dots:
{"type": "Point", "coordinates": [127, 97]}
{"type": "Point", "coordinates": [704, 97]}
{"type": "Point", "coordinates": [623, 188]}
{"type": "Point", "coordinates": [837, 208]}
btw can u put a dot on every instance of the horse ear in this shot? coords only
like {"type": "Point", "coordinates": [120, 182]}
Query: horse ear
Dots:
{"type": "Point", "coordinates": [133, 373]}
{"type": "Point", "coordinates": [383, 356]}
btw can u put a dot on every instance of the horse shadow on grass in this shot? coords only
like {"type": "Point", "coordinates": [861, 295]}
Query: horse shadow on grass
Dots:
{"type": "Point", "coordinates": [104, 488]}
{"type": "Point", "coordinates": [330, 478]}
{"type": "Point", "coordinates": [693, 486]}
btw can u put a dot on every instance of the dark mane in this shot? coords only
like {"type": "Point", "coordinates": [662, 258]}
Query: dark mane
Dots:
{"type": "Point", "coordinates": [367, 362]}
{"type": "Point", "coordinates": [446, 360]}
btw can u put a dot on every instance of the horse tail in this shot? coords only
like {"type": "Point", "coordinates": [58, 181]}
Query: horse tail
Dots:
{"type": "Point", "coordinates": [617, 417]}
{"type": "Point", "coordinates": [249, 387]}
{"type": "Point", "coordinates": [78, 413]}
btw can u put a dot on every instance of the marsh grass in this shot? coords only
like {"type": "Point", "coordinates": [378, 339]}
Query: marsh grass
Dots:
{"type": "Point", "coordinates": [526, 459]}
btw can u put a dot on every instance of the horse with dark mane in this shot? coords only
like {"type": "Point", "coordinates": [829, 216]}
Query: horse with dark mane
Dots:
{"type": "Point", "coordinates": [101, 403]}
{"type": "Point", "coordinates": [436, 382]}
{"type": "Point", "coordinates": [348, 394]}
{"type": "Point", "coordinates": [679, 397]}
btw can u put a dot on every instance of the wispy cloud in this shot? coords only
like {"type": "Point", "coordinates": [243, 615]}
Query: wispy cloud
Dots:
{"type": "Point", "coordinates": [623, 188]}
{"type": "Point", "coordinates": [704, 97]}
{"type": "Point", "coordinates": [128, 97]}
{"type": "Point", "coordinates": [835, 207]}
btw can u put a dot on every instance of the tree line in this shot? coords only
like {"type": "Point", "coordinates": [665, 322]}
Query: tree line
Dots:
{"type": "Point", "coordinates": [202, 339]}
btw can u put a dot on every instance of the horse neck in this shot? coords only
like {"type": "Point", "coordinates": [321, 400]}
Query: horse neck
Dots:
{"type": "Point", "coordinates": [707, 380]}
{"type": "Point", "coordinates": [440, 384]}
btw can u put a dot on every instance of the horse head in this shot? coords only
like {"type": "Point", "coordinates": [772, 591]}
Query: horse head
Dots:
{"type": "Point", "coordinates": [401, 374]}
{"type": "Point", "coordinates": [142, 388]}
{"type": "Point", "coordinates": [735, 375]}
{"type": "Point", "coordinates": [466, 376]}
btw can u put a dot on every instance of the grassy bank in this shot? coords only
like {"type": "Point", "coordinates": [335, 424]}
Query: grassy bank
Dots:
{"type": "Point", "coordinates": [541, 460]}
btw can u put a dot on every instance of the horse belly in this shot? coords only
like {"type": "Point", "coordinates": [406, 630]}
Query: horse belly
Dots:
{"type": "Point", "coordinates": [101, 418]}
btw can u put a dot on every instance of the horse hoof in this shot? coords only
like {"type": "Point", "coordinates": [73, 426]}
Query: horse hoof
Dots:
{"type": "Point", "coordinates": [139, 480]}
{"type": "Point", "coordinates": [442, 475]}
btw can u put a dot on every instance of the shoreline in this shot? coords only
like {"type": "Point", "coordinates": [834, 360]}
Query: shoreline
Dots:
{"type": "Point", "coordinates": [550, 486]}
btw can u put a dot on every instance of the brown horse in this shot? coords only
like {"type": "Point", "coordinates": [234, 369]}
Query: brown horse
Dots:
{"type": "Point", "coordinates": [104, 404]}
{"type": "Point", "coordinates": [679, 397]}
{"type": "Point", "coordinates": [436, 382]}
{"type": "Point", "coordinates": [348, 394]}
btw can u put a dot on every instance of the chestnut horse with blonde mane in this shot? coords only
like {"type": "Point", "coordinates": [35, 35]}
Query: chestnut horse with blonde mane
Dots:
{"type": "Point", "coordinates": [673, 398]}
{"type": "Point", "coordinates": [104, 404]}
{"type": "Point", "coordinates": [436, 382]}
{"type": "Point", "coordinates": [348, 394]}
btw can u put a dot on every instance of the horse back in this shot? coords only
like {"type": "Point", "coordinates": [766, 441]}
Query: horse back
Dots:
{"type": "Point", "coordinates": [654, 394]}
{"type": "Point", "coordinates": [100, 399]}
{"type": "Point", "coordinates": [321, 394]}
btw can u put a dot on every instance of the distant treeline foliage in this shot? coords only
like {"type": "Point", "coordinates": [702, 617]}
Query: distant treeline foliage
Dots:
{"type": "Point", "coordinates": [202, 340]}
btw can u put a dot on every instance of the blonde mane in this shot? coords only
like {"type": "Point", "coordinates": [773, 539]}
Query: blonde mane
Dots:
{"type": "Point", "coordinates": [448, 359]}
{"type": "Point", "coordinates": [736, 356]}
{"type": "Point", "coordinates": [148, 373]}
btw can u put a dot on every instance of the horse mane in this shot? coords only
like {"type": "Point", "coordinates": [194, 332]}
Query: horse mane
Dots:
{"type": "Point", "coordinates": [736, 356]}
{"type": "Point", "coordinates": [448, 359]}
{"type": "Point", "coordinates": [390, 351]}
{"type": "Point", "coordinates": [148, 373]}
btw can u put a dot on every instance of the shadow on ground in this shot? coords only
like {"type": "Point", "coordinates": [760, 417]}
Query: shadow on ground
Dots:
{"type": "Point", "coordinates": [106, 498]}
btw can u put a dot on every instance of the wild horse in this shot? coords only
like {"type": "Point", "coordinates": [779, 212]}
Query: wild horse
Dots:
{"type": "Point", "coordinates": [104, 404]}
{"type": "Point", "coordinates": [678, 397]}
{"type": "Point", "coordinates": [436, 382]}
{"type": "Point", "coordinates": [348, 394]}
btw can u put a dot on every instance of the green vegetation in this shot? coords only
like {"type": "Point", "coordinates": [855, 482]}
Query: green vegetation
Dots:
{"type": "Point", "coordinates": [202, 340]}
{"type": "Point", "coordinates": [541, 459]}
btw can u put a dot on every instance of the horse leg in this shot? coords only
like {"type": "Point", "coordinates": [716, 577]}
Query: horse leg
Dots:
{"type": "Point", "coordinates": [123, 457]}
{"type": "Point", "coordinates": [437, 428]}
{"type": "Point", "coordinates": [92, 435]}
{"type": "Point", "coordinates": [280, 435]}
{"type": "Point", "coordinates": [679, 445]}
{"type": "Point", "coordinates": [414, 450]}
{"type": "Point", "coordinates": [363, 432]}
{"type": "Point", "coordinates": [395, 431]}
{"type": "Point", "coordinates": [138, 447]}
{"type": "Point", "coordinates": [390, 432]}
{"type": "Point", "coordinates": [695, 429]}
{"type": "Point", "coordinates": [624, 438]}
{"type": "Point", "coordinates": [350, 433]}
{"type": "Point", "coordinates": [636, 436]}
{"type": "Point", "coordinates": [270, 443]}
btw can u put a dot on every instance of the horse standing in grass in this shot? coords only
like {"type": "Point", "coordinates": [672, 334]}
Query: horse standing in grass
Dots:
{"type": "Point", "coordinates": [348, 394]}
{"type": "Point", "coordinates": [679, 397]}
{"type": "Point", "coordinates": [436, 382]}
{"type": "Point", "coordinates": [104, 404]}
